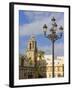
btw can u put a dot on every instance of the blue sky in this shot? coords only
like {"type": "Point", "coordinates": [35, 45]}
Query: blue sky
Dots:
{"type": "Point", "coordinates": [31, 23]}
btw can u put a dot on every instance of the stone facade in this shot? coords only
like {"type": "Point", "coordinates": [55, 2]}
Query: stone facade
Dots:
{"type": "Point", "coordinates": [58, 66]}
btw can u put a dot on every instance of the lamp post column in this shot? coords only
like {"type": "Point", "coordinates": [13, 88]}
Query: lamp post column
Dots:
{"type": "Point", "coordinates": [54, 35]}
{"type": "Point", "coordinates": [53, 58]}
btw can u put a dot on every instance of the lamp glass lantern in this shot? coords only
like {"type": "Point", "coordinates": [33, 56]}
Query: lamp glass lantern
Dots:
{"type": "Point", "coordinates": [45, 29]}
{"type": "Point", "coordinates": [61, 30]}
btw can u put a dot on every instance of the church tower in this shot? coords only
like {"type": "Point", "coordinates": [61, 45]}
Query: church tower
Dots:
{"type": "Point", "coordinates": [32, 50]}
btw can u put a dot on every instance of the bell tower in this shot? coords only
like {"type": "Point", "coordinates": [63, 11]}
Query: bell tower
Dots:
{"type": "Point", "coordinates": [32, 49]}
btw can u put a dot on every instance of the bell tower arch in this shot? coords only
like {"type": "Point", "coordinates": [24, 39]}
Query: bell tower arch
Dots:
{"type": "Point", "coordinates": [32, 49]}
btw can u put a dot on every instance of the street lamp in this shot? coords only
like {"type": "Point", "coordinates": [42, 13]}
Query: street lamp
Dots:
{"type": "Point", "coordinates": [54, 35]}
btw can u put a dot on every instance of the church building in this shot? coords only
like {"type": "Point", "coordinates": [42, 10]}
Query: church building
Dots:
{"type": "Point", "coordinates": [30, 66]}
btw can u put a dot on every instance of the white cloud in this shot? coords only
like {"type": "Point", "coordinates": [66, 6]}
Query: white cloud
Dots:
{"type": "Point", "coordinates": [36, 26]}
{"type": "Point", "coordinates": [32, 28]}
{"type": "Point", "coordinates": [36, 15]}
{"type": "Point", "coordinates": [39, 15]}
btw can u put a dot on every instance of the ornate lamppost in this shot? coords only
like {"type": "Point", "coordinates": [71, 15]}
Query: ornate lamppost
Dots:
{"type": "Point", "coordinates": [55, 34]}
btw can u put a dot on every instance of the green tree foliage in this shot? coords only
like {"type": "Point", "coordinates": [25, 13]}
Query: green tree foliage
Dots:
{"type": "Point", "coordinates": [41, 54]}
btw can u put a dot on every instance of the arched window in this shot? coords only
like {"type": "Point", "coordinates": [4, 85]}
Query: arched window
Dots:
{"type": "Point", "coordinates": [59, 75]}
{"type": "Point", "coordinates": [30, 46]}
{"type": "Point", "coordinates": [22, 61]}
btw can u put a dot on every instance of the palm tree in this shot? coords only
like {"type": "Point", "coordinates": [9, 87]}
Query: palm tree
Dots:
{"type": "Point", "coordinates": [41, 54]}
